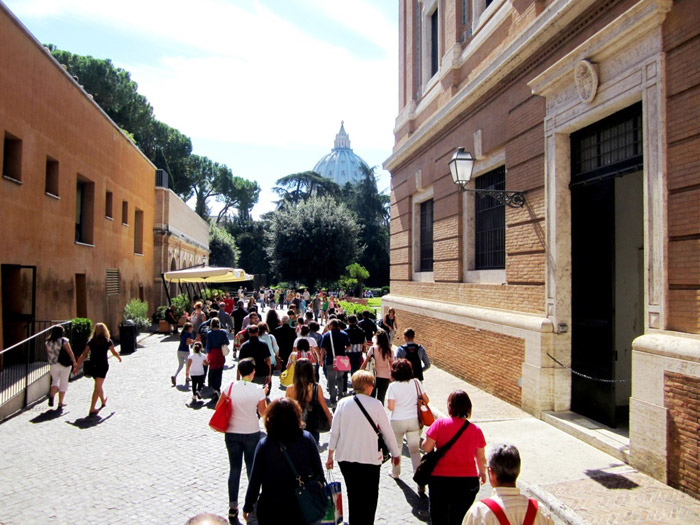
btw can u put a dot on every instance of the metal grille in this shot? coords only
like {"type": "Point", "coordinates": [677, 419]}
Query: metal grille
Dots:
{"type": "Point", "coordinates": [426, 236]}
{"type": "Point", "coordinates": [490, 223]}
{"type": "Point", "coordinates": [434, 62]}
{"type": "Point", "coordinates": [612, 145]}
{"type": "Point", "coordinates": [113, 281]}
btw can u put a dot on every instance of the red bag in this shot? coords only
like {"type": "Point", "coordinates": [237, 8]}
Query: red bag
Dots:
{"type": "Point", "coordinates": [425, 415]}
{"type": "Point", "coordinates": [222, 414]}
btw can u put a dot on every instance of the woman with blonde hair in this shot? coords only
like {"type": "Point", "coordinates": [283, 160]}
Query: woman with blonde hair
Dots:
{"type": "Point", "coordinates": [61, 359]}
{"type": "Point", "coordinates": [96, 348]}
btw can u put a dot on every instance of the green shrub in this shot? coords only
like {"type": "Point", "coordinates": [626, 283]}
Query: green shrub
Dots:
{"type": "Point", "coordinates": [79, 332]}
{"type": "Point", "coordinates": [357, 309]}
{"type": "Point", "coordinates": [136, 310]}
{"type": "Point", "coordinates": [182, 304]}
{"type": "Point", "coordinates": [160, 313]}
{"type": "Point", "coordinates": [208, 294]}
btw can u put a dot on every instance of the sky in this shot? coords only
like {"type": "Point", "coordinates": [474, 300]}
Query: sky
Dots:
{"type": "Point", "coordinates": [258, 85]}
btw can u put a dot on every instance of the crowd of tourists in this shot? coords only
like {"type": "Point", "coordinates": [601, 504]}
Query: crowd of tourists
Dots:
{"type": "Point", "coordinates": [374, 401]}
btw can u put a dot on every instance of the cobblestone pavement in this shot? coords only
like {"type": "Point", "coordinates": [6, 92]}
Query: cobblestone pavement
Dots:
{"type": "Point", "coordinates": [148, 458]}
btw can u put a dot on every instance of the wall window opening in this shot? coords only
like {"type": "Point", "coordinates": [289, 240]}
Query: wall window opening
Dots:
{"type": "Point", "coordinates": [490, 223]}
{"type": "Point", "coordinates": [426, 236]}
{"type": "Point", "coordinates": [51, 186]}
{"type": "Point", "coordinates": [12, 158]}
{"type": "Point", "coordinates": [84, 210]}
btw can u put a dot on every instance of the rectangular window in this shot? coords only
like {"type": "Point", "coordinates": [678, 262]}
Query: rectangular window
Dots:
{"type": "Point", "coordinates": [419, 37]}
{"type": "Point", "coordinates": [138, 231]}
{"type": "Point", "coordinates": [434, 58]}
{"type": "Point", "coordinates": [84, 210]}
{"type": "Point", "coordinates": [51, 177]}
{"type": "Point", "coordinates": [113, 284]}
{"type": "Point", "coordinates": [426, 236]}
{"type": "Point", "coordinates": [109, 199]}
{"type": "Point", "coordinates": [490, 223]}
{"type": "Point", "coordinates": [125, 213]}
{"type": "Point", "coordinates": [12, 158]}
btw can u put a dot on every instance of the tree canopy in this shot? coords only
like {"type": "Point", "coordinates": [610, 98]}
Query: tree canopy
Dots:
{"type": "Point", "coordinates": [299, 187]}
{"type": "Point", "coordinates": [312, 241]}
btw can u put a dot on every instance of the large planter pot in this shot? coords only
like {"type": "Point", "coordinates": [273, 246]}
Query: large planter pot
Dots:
{"type": "Point", "coordinates": [164, 327]}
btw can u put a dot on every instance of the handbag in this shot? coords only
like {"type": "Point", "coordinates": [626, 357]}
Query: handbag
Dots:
{"type": "Point", "coordinates": [225, 350]}
{"type": "Point", "coordinates": [63, 357]}
{"type": "Point", "coordinates": [316, 418]}
{"type": "Point", "coordinates": [341, 363]}
{"type": "Point", "coordinates": [334, 511]}
{"type": "Point", "coordinates": [312, 496]}
{"type": "Point", "coordinates": [381, 444]}
{"type": "Point", "coordinates": [430, 460]}
{"type": "Point", "coordinates": [425, 415]}
{"type": "Point", "coordinates": [222, 414]}
{"type": "Point", "coordinates": [287, 377]}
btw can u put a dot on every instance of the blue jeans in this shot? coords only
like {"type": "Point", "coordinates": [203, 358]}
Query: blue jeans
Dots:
{"type": "Point", "coordinates": [335, 382]}
{"type": "Point", "coordinates": [239, 447]}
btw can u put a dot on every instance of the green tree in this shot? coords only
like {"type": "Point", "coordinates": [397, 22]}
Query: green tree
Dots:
{"type": "Point", "coordinates": [312, 241]}
{"type": "Point", "coordinates": [357, 275]}
{"type": "Point", "coordinates": [299, 187]}
{"type": "Point", "coordinates": [251, 242]}
{"type": "Point", "coordinates": [235, 192]}
{"type": "Point", "coordinates": [222, 247]}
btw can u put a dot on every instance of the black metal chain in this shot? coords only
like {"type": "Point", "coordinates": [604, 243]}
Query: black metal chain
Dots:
{"type": "Point", "coordinates": [587, 376]}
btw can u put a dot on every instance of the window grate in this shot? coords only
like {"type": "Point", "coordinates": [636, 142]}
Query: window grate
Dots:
{"type": "Point", "coordinates": [610, 145]}
{"type": "Point", "coordinates": [426, 236]}
{"type": "Point", "coordinates": [113, 281]}
{"type": "Point", "coordinates": [490, 223]}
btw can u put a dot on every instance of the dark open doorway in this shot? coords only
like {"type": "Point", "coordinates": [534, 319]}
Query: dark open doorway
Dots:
{"type": "Point", "coordinates": [607, 244]}
{"type": "Point", "coordinates": [18, 303]}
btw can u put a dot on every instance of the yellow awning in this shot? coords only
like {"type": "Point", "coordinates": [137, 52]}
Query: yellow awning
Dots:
{"type": "Point", "coordinates": [208, 274]}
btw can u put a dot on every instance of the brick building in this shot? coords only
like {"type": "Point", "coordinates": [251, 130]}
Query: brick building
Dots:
{"type": "Point", "coordinates": [591, 108]}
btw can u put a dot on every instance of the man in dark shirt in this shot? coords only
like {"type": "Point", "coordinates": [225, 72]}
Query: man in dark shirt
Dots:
{"type": "Point", "coordinates": [339, 345]}
{"type": "Point", "coordinates": [368, 326]}
{"type": "Point", "coordinates": [238, 314]}
{"type": "Point", "coordinates": [260, 352]}
{"type": "Point", "coordinates": [415, 354]}
{"type": "Point", "coordinates": [357, 343]}
{"type": "Point", "coordinates": [285, 336]}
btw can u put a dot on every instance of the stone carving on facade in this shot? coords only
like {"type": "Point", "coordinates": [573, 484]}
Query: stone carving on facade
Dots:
{"type": "Point", "coordinates": [586, 77]}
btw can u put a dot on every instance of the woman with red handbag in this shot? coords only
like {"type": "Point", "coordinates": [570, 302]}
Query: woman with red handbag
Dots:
{"type": "Point", "coordinates": [243, 431]}
{"type": "Point", "coordinates": [402, 402]}
{"type": "Point", "coordinates": [383, 359]}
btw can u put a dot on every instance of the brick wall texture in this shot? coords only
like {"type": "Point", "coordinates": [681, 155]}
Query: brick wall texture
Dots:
{"type": "Point", "coordinates": [682, 47]}
{"type": "Point", "coordinates": [488, 360]}
{"type": "Point", "coordinates": [681, 395]}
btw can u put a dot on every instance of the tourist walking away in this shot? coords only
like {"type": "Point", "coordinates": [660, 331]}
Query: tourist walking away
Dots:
{"type": "Point", "coordinates": [353, 444]}
{"type": "Point", "coordinates": [286, 450]}
{"type": "Point", "coordinates": [243, 432]}
{"type": "Point", "coordinates": [383, 358]}
{"type": "Point", "coordinates": [183, 351]}
{"type": "Point", "coordinates": [305, 335]}
{"type": "Point", "coordinates": [415, 354]}
{"type": "Point", "coordinates": [506, 499]}
{"type": "Point", "coordinates": [61, 360]}
{"type": "Point", "coordinates": [303, 350]}
{"type": "Point", "coordinates": [169, 317]}
{"type": "Point", "coordinates": [97, 347]}
{"type": "Point", "coordinates": [216, 338]}
{"type": "Point", "coordinates": [316, 306]}
{"type": "Point", "coordinates": [238, 315]}
{"type": "Point", "coordinates": [266, 337]}
{"type": "Point", "coordinates": [307, 392]}
{"type": "Point", "coordinates": [402, 402]}
{"type": "Point", "coordinates": [195, 372]}
{"type": "Point", "coordinates": [456, 478]}
{"type": "Point", "coordinates": [334, 343]}
{"type": "Point", "coordinates": [357, 344]}
{"type": "Point", "coordinates": [260, 352]}
{"type": "Point", "coordinates": [272, 319]}
{"type": "Point", "coordinates": [369, 327]}
{"type": "Point", "coordinates": [324, 309]}
{"type": "Point", "coordinates": [285, 335]}
{"type": "Point", "coordinates": [224, 317]}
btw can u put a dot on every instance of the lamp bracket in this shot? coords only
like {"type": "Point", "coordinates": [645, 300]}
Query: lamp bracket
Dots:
{"type": "Point", "coordinates": [513, 199]}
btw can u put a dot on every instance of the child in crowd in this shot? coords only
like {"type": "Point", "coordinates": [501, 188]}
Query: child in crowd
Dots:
{"type": "Point", "coordinates": [195, 370]}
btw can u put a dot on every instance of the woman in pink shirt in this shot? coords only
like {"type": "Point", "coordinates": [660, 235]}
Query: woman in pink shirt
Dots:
{"type": "Point", "coordinates": [383, 357]}
{"type": "Point", "coordinates": [458, 475]}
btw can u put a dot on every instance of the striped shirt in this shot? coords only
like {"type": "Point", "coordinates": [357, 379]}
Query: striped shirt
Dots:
{"type": "Point", "coordinates": [513, 503]}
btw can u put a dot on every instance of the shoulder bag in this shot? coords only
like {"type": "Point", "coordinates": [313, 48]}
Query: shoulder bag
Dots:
{"type": "Point", "coordinates": [381, 445]}
{"type": "Point", "coordinates": [316, 418]}
{"type": "Point", "coordinates": [430, 460]}
{"type": "Point", "coordinates": [63, 356]}
{"type": "Point", "coordinates": [222, 414]}
{"type": "Point", "coordinates": [425, 415]}
{"type": "Point", "coordinates": [341, 363]}
{"type": "Point", "coordinates": [312, 497]}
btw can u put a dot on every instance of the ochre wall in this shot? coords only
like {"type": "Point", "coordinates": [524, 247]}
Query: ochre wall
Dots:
{"type": "Point", "coordinates": [53, 116]}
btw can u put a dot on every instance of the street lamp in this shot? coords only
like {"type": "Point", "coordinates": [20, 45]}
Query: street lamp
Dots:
{"type": "Point", "coordinates": [461, 167]}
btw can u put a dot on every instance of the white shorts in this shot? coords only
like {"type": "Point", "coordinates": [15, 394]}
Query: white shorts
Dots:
{"type": "Point", "coordinates": [59, 376]}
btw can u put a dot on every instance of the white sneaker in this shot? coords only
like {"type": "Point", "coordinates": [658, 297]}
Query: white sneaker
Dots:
{"type": "Point", "coordinates": [194, 399]}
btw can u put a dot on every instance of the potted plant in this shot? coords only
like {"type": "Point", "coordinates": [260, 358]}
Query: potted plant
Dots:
{"type": "Point", "coordinates": [135, 318]}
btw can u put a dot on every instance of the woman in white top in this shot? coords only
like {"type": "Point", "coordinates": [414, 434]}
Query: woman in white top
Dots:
{"type": "Point", "coordinates": [243, 432]}
{"type": "Point", "coordinates": [61, 358]}
{"type": "Point", "coordinates": [402, 402]}
{"type": "Point", "coordinates": [266, 337]}
{"type": "Point", "coordinates": [353, 443]}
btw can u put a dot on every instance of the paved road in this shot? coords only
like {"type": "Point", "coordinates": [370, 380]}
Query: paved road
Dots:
{"type": "Point", "coordinates": [148, 458]}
